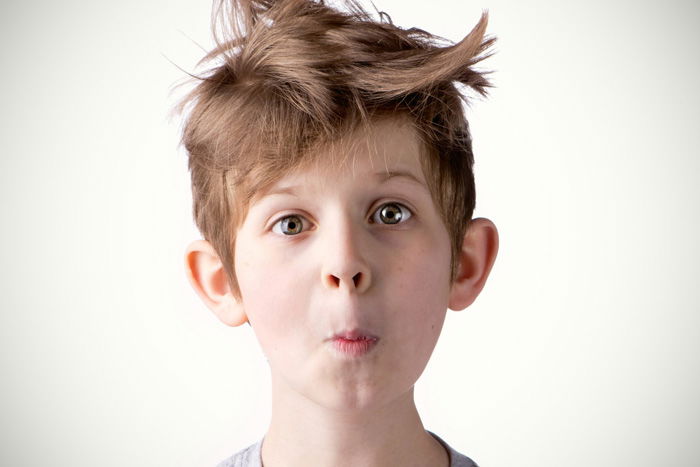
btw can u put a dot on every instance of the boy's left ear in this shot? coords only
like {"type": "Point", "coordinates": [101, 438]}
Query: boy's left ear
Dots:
{"type": "Point", "coordinates": [475, 261]}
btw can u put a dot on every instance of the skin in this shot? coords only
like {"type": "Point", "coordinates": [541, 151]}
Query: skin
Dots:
{"type": "Point", "coordinates": [347, 267]}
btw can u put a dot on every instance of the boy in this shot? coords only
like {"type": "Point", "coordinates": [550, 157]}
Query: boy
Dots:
{"type": "Point", "coordinates": [332, 180]}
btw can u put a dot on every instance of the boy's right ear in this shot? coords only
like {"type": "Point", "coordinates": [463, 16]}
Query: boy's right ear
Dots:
{"type": "Point", "coordinates": [208, 278]}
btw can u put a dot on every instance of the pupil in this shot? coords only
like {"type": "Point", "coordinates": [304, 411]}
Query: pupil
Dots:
{"type": "Point", "coordinates": [391, 213]}
{"type": "Point", "coordinates": [291, 226]}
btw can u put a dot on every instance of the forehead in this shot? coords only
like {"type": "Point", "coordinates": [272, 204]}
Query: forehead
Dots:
{"type": "Point", "coordinates": [388, 148]}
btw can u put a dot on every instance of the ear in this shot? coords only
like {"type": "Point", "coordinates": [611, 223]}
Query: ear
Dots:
{"type": "Point", "coordinates": [208, 278]}
{"type": "Point", "coordinates": [475, 261]}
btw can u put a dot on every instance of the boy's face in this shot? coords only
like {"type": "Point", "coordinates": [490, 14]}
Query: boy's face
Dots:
{"type": "Point", "coordinates": [339, 248]}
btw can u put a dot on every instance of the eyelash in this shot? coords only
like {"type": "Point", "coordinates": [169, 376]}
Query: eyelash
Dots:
{"type": "Point", "coordinates": [403, 208]}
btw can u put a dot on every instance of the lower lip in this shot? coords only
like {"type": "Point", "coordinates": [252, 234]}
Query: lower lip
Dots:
{"type": "Point", "coordinates": [354, 348]}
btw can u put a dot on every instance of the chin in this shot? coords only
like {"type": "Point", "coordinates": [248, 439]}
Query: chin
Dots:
{"type": "Point", "coordinates": [352, 398]}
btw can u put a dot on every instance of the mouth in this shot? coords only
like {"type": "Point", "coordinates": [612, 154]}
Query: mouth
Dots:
{"type": "Point", "coordinates": [355, 334]}
{"type": "Point", "coordinates": [353, 343]}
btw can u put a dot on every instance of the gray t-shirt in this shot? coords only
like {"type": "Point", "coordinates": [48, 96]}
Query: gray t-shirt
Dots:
{"type": "Point", "coordinates": [251, 456]}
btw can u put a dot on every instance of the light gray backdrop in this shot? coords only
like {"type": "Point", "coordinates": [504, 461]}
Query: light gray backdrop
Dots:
{"type": "Point", "coordinates": [584, 348]}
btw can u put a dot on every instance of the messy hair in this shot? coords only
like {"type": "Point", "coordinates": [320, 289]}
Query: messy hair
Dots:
{"type": "Point", "coordinates": [288, 76]}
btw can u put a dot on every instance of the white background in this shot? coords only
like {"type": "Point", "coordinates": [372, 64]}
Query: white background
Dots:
{"type": "Point", "coordinates": [584, 348]}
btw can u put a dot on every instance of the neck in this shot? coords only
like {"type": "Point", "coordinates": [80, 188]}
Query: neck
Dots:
{"type": "Point", "coordinates": [303, 433]}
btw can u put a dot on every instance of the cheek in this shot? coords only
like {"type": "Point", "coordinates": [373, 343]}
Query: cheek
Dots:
{"type": "Point", "coordinates": [271, 309]}
{"type": "Point", "coordinates": [425, 269]}
{"type": "Point", "coordinates": [422, 283]}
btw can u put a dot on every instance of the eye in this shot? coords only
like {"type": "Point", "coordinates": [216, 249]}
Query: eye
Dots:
{"type": "Point", "coordinates": [288, 225]}
{"type": "Point", "coordinates": [391, 213]}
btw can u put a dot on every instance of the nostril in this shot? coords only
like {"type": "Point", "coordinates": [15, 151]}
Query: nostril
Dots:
{"type": "Point", "coordinates": [356, 279]}
{"type": "Point", "coordinates": [335, 281]}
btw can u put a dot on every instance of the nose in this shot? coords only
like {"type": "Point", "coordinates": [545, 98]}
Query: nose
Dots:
{"type": "Point", "coordinates": [344, 260]}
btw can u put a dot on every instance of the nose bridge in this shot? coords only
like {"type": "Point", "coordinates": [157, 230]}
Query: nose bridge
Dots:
{"type": "Point", "coordinates": [344, 258]}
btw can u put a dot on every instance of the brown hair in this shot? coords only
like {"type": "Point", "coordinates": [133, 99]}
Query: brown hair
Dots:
{"type": "Point", "coordinates": [290, 75]}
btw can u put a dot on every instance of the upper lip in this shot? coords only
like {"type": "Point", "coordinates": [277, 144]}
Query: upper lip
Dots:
{"type": "Point", "coordinates": [355, 334]}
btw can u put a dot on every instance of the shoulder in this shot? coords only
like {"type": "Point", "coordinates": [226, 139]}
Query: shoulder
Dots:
{"type": "Point", "coordinates": [248, 457]}
{"type": "Point", "coordinates": [456, 459]}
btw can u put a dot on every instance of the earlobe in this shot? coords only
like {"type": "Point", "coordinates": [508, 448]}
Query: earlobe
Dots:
{"type": "Point", "coordinates": [207, 276]}
{"type": "Point", "coordinates": [479, 250]}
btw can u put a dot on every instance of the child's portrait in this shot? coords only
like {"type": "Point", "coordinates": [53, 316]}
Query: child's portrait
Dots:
{"type": "Point", "coordinates": [345, 233]}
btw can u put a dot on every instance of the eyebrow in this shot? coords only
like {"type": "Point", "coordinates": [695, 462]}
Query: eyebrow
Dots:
{"type": "Point", "coordinates": [382, 177]}
{"type": "Point", "coordinates": [386, 175]}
